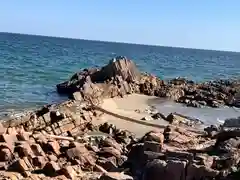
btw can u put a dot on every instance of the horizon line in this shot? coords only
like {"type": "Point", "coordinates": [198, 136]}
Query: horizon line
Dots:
{"type": "Point", "coordinates": [119, 42]}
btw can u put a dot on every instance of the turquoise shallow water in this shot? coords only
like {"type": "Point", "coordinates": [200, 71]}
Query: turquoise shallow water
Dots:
{"type": "Point", "coordinates": [31, 66]}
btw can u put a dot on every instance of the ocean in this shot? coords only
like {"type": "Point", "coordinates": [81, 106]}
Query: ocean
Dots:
{"type": "Point", "coordinates": [31, 66]}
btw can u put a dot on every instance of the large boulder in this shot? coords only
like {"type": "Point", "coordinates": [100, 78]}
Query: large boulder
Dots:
{"type": "Point", "coordinates": [119, 66]}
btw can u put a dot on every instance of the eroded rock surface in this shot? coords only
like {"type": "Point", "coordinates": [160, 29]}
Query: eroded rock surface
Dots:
{"type": "Point", "coordinates": [105, 152]}
{"type": "Point", "coordinates": [121, 77]}
{"type": "Point", "coordinates": [60, 141]}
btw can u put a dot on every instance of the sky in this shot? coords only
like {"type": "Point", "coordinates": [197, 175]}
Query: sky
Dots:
{"type": "Point", "coordinates": [203, 24]}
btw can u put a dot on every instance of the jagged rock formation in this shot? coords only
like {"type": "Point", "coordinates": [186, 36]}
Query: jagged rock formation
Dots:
{"type": "Point", "coordinates": [56, 119]}
{"type": "Point", "coordinates": [60, 142]}
{"type": "Point", "coordinates": [174, 154]}
{"type": "Point", "coordinates": [121, 77]}
{"type": "Point", "coordinates": [115, 79]}
{"type": "Point", "coordinates": [214, 94]}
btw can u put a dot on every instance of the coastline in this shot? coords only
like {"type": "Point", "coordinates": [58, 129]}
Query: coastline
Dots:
{"type": "Point", "coordinates": [110, 128]}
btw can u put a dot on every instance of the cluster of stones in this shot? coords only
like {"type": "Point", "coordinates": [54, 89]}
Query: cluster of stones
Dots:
{"type": "Point", "coordinates": [111, 153]}
{"type": "Point", "coordinates": [39, 155]}
{"type": "Point", "coordinates": [121, 77]}
{"type": "Point", "coordinates": [61, 142]}
{"type": "Point", "coordinates": [213, 94]}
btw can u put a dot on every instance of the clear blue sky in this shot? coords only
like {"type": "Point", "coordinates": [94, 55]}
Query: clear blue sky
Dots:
{"type": "Point", "coordinates": [205, 24]}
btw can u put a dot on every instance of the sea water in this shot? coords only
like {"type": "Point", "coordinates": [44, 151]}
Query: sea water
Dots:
{"type": "Point", "coordinates": [31, 66]}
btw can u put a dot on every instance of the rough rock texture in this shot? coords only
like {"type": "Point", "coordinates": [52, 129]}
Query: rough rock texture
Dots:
{"type": "Point", "coordinates": [69, 116]}
{"type": "Point", "coordinates": [121, 77]}
{"type": "Point", "coordinates": [112, 80]}
{"type": "Point", "coordinates": [59, 141]}
{"type": "Point", "coordinates": [213, 93]}
{"type": "Point", "coordinates": [27, 152]}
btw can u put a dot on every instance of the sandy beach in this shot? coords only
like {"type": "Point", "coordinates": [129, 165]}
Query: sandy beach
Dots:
{"type": "Point", "coordinates": [134, 107]}
{"type": "Point", "coordinates": [126, 113]}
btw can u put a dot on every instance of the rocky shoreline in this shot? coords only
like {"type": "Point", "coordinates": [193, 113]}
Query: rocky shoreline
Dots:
{"type": "Point", "coordinates": [121, 77]}
{"type": "Point", "coordinates": [62, 141]}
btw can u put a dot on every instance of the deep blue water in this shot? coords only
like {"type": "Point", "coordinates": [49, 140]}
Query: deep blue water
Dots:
{"type": "Point", "coordinates": [31, 66]}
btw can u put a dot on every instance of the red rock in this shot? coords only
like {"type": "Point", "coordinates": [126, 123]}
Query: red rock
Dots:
{"type": "Point", "coordinates": [35, 177]}
{"type": "Point", "coordinates": [20, 130]}
{"type": "Point", "coordinates": [110, 151]}
{"type": "Point", "coordinates": [4, 145]}
{"type": "Point", "coordinates": [77, 96]}
{"type": "Point", "coordinates": [51, 168]}
{"type": "Point", "coordinates": [52, 157]}
{"type": "Point", "coordinates": [3, 165]}
{"type": "Point", "coordinates": [37, 150]}
{"type": "Point", "coordinates": [61, 177]}
{"type": "Point", "coordinates": [205, 159]}
{"type": "Point", "coordinates": [54, 146]}
{"type": "Point", "coordinates": [78, 149]}
{"type": "Point", "coordinates": [5, 154]}
{"type": "Point", "coordinates": [67, 127]}
{"type": "Point", "coordinates": [10, 139]}
{"type": "Point", "coordinates": [112, 143]}
{"type": "Point", "coordinates": [40, 138]}
{"type": "Point", "coordinates": [115, 176]}
{"type": "Point", "coordinates": [155, 170]}
{"type": "Point", "coordinates": [20, 166]}
{"type": "Point", "coordinates": [11, 130]}
{"type": "Point", "coordinates": [10, 175]}
{"type": "Point", "coordinates": [82, 154]}
{"type": "Point", "coordinates": [93, 148]}
{"type": "Point", "coordinates": [24, 136]}
{"type": "Point", "coordinates": [28, 163]}
{"type": "Point", "coordinates": [200, 172]}
{"type": "Point", "coordinates": [109, 164]}
{"type": "Point", "coordinates": [152, 146]}
{"type": "Point", "coordinates": [154, 136]}
{"type": "Point", "coordinates": [175, 169]}
{"type": "Point", "coordinates": [24, 150]}
{"type": "Point", "coordinates": [2, 129]}
{"type": "Point", "coordinates": [64, 143]}
{"type": "Point", "coordinates": [183, 155]}
{"type": "Point", "coordinates": [69, 172]}
{"type": "Point", "coordinates": [39, 161]}
{"type": "Point", "coordinates": [123, 67]}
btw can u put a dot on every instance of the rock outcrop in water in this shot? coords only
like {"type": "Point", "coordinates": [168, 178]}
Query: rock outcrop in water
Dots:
{"type": "Point", "coordinates": [121, 77]}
